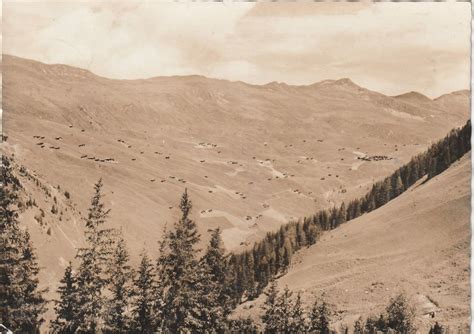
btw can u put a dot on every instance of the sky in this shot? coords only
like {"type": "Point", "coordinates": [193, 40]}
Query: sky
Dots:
{"type": "Point", "coordinates": [392, 48]}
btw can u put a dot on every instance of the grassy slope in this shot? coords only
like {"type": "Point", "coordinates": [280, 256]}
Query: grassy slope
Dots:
{"type": "Point", "coordinates": [418, 243]}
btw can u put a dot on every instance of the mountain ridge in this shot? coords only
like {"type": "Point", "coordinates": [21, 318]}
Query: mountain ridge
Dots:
{"type": "Point", "coordinates": [336, 82]}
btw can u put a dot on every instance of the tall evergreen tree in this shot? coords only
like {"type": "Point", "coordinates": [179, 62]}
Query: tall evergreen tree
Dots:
{"type": "Point", "coordinates": [215, 284]}
{"type": "Point", "coordinates": [400, 315]}
{"type": "Point", "coordinates": [381, 323]}
{"type": "Point", "coordinates": [396, 185]}
{"type": "Point", "coordinates": [177, 268]}
{"type": "Point", "coordinates": [67, 305]}
{"type": "Point", "coordinates": [21, 301]}
{"type": "Point", "coordinates": [341, 214]}
{"type": "Point", "coordinates": [359, 326]}
{"type": "Point", "coordinates": [143, 302]}
{"type": "Point", "coordinates": [249, 268]}
{"type": "Point", "coordinates": [320, 318]}
{"type": "Point", "coordinates": [436, 329]}
{"type": "Point", "coordinates": [300, 235]}
{"type": "Point", "coordinates": [94, 259]}
{"type": "Point", "coordinates": [270, 317]}
{"type": "Point", "coordinates": [298, 321]}
{"type": "Point", "coordinates": [120, 278]}
{"type": "Point", "coordinates": [370, 326]}
{"type": "Point", "coordinates": [31, 300]}
{"type": "Point", "coordinates": [284, 311]}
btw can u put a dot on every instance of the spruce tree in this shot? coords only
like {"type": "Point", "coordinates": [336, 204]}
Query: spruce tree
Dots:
{"type": "Point", "coordinates": [298, 322]}
{"type": "Point", "coordinates": [359, 326]}
{"type": "Point", "coordinates": [396, 185]}
{"type": "Point", "coordinates": [66, 305]}
{"type": "Point", "coordinates": [21, 302]}
{"type": "Point", "coordinates": [370, 326]}
{"type": "Point", "coordinates": [286, 252]}
{"type": "Point", "coordinates": [215, 284]}
{"type": "Point", "coordinates": [94, 259]}
{"type": "Point", "coordinates": [284, 311]}
{"type": "Point", "coordinates": [320, 318]}
{"type": "Point", "coordinates": [381, 323]}
{"type": "Point", "coordinates": [177, 268]}
{"type": "Point", "coordinates": [400, 315]}
{"type": "Point", "coordinates": [143, 301]}
{"type": "Point", "coordinates": [300, 236]}
{"type": "Point", "coordinates": [119, 285]}
{"type": "Point", "coordinates": [31, 299]}
{"type": "Point", "coordinates": [436, 329]}
{"type": "Point", "coordinates": [249, 268]}
{"type": "Point", "coordinates": [341, 214]}
{"type": "Point", "coordinates": [270, 317]}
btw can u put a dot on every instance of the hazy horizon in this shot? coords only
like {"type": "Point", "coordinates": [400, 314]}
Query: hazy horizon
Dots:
{"type": "Point", "coordinates": [225, 79]}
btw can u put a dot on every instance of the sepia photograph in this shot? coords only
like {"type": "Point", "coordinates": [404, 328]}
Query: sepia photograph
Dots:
{"type": "Point", "coordinates": [235, 167]}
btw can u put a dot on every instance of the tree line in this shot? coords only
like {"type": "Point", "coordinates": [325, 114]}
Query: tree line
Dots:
{"type": "Point", "coordinates": [252, 269]}
{"type": "Point", "coordinates": [284, 313]}
{"type": "Point", "coordinates": [183, 290]}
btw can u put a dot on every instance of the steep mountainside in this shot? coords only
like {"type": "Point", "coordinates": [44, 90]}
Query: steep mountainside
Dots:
{"type": "Point", "coordinates": [251, 156]}
{"type": "Point", "coordinates": [419, 243]}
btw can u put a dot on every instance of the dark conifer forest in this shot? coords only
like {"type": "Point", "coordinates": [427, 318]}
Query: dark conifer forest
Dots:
{"type": "Point", "coordinates": [187, 289]}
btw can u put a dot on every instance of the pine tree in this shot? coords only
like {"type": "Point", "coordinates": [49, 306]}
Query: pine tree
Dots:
{"type": "Point", "coordinates": [264, 272]}
{"type": "Point", "coordinates": [371, 325]}
{"type": "Point", "coordinates": [94, 258]}
{"type": "Point", "coordinates": [120, 277]}
{"type": "Point", "coordinates": [396, 185]}
{"type": "Point", "coordinates": [333, 218]}
{"type": "Point", "coordinates": [357, 209]}
{"type": "Point", "coordinates": [341, 214]}
{"type": "Point", "coordinates": [381, 323]}
{"type": "Point", "coordinates": [385, 190]}
{"type": "Point", "coordinates": [31, 299]}
{"type": "Point", "coordinates": [21, 302]}
{"type": "Point", "coordinates": [358, 326]}
{"type": "Point", "coordinates": [400, 315]}
{"type": "Point", "coordinates": [300, 236]}
{"type": "Point", "coordinates": [177, 268]}
{"type": "Point", "coordinates": [249, 267]}
{"type": "Point", "coordinates": [270, 317]}
{"type": "Point", "coordinates": [320, 318]}
{"type": "Point", "coordinates": [312, 234]}
{"type": "Point", "coordinates": [66, 307]}
{"type": "Point", "coordinates": [298, 321]}
{"type": "Point", "coordinates": [369, 203]}
{"type": "Point", "coordinates": [284, 311]}
{"type": "Point", "coordinates": [215, 282]}
{"type": "Point", "coordinates": [433, 167]}
{"type": "Point", "coordinates": [143, 302]}
{"type": "Point", "coordinates": [436, 329]}
{"type": "Point", "coordinates": [414, 172]}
